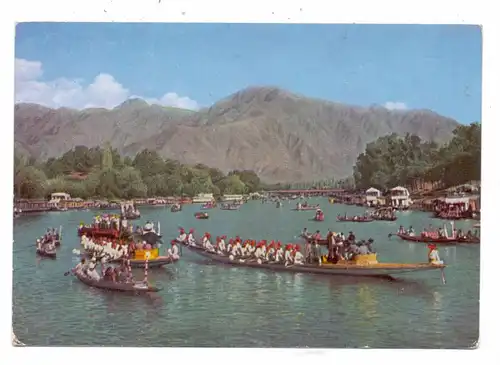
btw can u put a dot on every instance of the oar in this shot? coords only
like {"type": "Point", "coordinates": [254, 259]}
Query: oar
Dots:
{"type": "Point", "coordinates": [443, 279]}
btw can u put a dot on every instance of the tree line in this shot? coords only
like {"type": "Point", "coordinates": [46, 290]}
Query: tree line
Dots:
{"type": "Point", "coordinates": [393, 160]}
{"type": "Point", "coordinates": [103, 173]}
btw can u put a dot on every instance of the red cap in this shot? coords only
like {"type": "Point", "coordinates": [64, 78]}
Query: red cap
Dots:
{"type": "Point", "coordinates": [181, 229]}
{"type": "Point", "coordinates": [191, 230]}
{"type": "Point", "coordinates": [297, 247]}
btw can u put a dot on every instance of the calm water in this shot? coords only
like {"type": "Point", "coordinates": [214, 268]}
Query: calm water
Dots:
{"type": "Point", "coordinates": [206, 305]}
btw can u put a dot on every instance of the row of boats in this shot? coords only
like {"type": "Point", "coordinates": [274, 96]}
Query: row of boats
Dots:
{"type": "Point", "coordinates": [144, 252]}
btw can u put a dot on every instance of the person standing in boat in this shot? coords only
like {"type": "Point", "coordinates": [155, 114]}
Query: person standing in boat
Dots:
{"type": "Point", "coordinates": [411, 231]}
{"type": "Point", "coordinates": [351, 238]}
{"type": "Point", "coordinates": [308, 252]}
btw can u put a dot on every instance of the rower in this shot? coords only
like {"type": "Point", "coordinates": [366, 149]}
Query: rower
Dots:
{"type": "Point", "coordinates": [190, 238]}
{"type": "Point", "coordinates": [278, 257]}
{"type": "Point", "coordinates": [221, 249]}
{"type": "Point", "coordinates": [288, 255]}
{"type": "Point", "coordinates": [411, 231]}
{"type": "Point", "coordinates": [205, 240]}
{"type": "Point", "coordinates": [182, 236]}
{"type": "Point", "coordinates": [433, 255]}
{"type": "Point", "coordinates": [208, 245]}
{"type": "Point", "coordinates": [174, 251]}
{"type": "Point", "coordinates": [270, 253]}
{"type": "Point", "coordinates": [298, 258]}
{"type": "Point", "coordinates": [259, 252]}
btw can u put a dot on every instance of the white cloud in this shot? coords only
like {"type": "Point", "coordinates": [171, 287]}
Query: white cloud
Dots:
{"type": "Point", "coordinates": [104, 91]}
{"type": "Point", "coordinates": [395, 105]}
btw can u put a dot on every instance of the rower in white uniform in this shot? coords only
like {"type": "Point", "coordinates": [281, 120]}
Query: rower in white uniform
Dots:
{"type": "Point", "coordinates": [182, 236]}
{"type": "Point", "coordinates": [279, 253]}
{"type": "Point", "coordinates": [174, 251]}
{"type": "Point", "coordinates": [190, 238]}
{"type": "Point", "coordinates": [288, 255]}
{"type": "Point", "coordinates": [298, 258]}
{"type": "Point", "coordinates": [221, 247]}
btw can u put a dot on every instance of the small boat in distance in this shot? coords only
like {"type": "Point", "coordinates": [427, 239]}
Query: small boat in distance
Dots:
{"type": "Point", "coordinates": [357, 219]}
{"type": "Point", "coordinates": [201, 215]}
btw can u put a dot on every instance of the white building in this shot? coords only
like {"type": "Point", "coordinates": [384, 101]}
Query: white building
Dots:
{"type": "Point", "coordinates": [232, 198]}
{"type": "Point", "coordinates": [372, 196]}
{"type": "Point", "coordinates": [203, 198]}
{"type": "Point", "coordinates": [400, 197]}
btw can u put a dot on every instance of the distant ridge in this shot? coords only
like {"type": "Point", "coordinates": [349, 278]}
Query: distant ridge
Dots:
{"type": "Point", "coordinates": [280, 135]}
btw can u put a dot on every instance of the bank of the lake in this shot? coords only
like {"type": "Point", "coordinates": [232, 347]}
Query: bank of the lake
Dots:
{"type": "Point", "coordinates": [205, 304]}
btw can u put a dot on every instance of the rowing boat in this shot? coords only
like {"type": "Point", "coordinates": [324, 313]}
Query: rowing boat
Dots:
{"type": "Point", "coordinates": [46, 253]}
{"type": "Point", "coordinates": [440, 241]}
{"type": "Point", "coordinates": [98, 232]}
{"type": "Point", "coordinates": [349, 268]}
{"type": "Point", "coordinates": [305, 209]}
{"type": "Point", "coordinates": [351, 219]}
{"type": "Point", "coordinates": [121, 287]}
{"type": "Point", "coordinates": [388, 219]}
{"type": "Point", "coordinates": [201, 215]}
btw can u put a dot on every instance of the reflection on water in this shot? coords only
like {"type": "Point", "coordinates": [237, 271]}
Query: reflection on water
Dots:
{"type": "Point", "coordinates": [207, 304]}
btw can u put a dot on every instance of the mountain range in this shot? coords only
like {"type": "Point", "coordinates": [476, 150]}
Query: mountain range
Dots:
{"type": "Point", "coordinates": [280, 135]}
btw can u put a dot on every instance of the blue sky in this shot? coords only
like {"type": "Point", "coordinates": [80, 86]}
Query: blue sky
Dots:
{"type": "Point", "coordinates": [422, 67]}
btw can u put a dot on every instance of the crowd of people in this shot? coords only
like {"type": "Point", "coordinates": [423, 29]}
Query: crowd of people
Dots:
{"type": "Point", "coordinates": [340, 247]}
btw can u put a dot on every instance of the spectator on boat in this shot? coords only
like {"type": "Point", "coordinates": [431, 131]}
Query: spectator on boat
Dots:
{"type": "Point", "coordinates": [440, 233]}
{"type": "Point", "coordinates": [351, 238]}
{"type": "Point", "coordinates": [369, 245]}
{"type": "Point", "coordinates": [190, 239]}
{"type": "Point", "coordinates": [38, 244]}
{"type": "Point", "coordinates": [305, 233]}
{"type": "Point", "coordinates": [401, 230]}
{"type": "Point", "coordinates": [411, 231]}
{"type": "Point", "coordinates": [317, 236]}
{"type": "Point", "coordinates": [460, 234]}
{"type": "Point", "coordinates": [363, 248]}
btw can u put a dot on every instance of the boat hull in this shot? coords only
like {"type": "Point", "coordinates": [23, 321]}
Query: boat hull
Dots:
{"type": "Point", "coordinates": [119, 287]}
{"type": "Point", "coordinates": [92, 232]}
{"type": "Point", "coordinates": [306, 209]}
{"type": "Point", "coordinates": [344, 269]}
{"type": "Point", "coordinates": [155, 263]}
{"type": "Point", "coordinates": [342, 219]}
{"type": "Point", "coordinates": [48, 254]}
{"type": "Point", "coordinates": [420, 239]}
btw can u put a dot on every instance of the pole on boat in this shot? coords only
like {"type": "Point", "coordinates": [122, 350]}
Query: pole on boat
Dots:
{"type": "Point", "coordinates": [60, 233]}
{"type": "Point", "coordinates": [129, 269]}
{"type": "Point", "coordinates": [159, 228]}
{"type": "Point", "coordinates": [146, 266]}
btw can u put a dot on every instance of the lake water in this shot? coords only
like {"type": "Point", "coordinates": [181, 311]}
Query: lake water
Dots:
{"type": "Point", "coordinates": [203, 304]}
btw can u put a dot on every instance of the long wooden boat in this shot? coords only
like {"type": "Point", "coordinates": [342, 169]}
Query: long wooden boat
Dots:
{"type": "Point", "coordinates": [388, 219]}
{"type": "Point", "coordinates": [98, 232]}
{"type": "Point", "coordinates": [342, 268]}
{"type": "Point", "coordinates": [420, 239]}
{"type": "Point", "coordinates": [132, 216]}
{"type": "Point", "coordinates": [230, 208]}
{"type": "Point", "coordinates": [175, 209]}
{"type": "Point", "coordinates": [201, 215]}
{"type": "Point", "coordinates": [351, 219]}
{"type": "Point", "coordinates": [159, 261]}
{"type": "Point", "coordinates": [305, 209]}
{"type": "Point", "coordinates": [120, 287]}
{"type": "Point", "coordinates": [46, 253]}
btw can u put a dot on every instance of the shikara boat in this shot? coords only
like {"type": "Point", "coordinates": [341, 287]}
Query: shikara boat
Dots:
{"type": "Point", "coordinates": [121, 287]}
{"type": "Point", "coordinates": [388, 219]}
{"type": "Point", "coordinates": [46, 253]}
{"type": "Point", "coordinates": [438, 241]}
{"type": "Point", "coordinates": [341, 218]}
{"type": "Point", "coordinates": [207, 206]}
{"type": "Point", "coordinates": [175, 209]}
{"type": "Point", "coordinates": [305, 209]}
{"type": "Point", "coordinates": [364, 266]}
{"type": "Point", "coordinates": [231, 207]}
{"type": "Point", "coordinates": [201, 215]}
